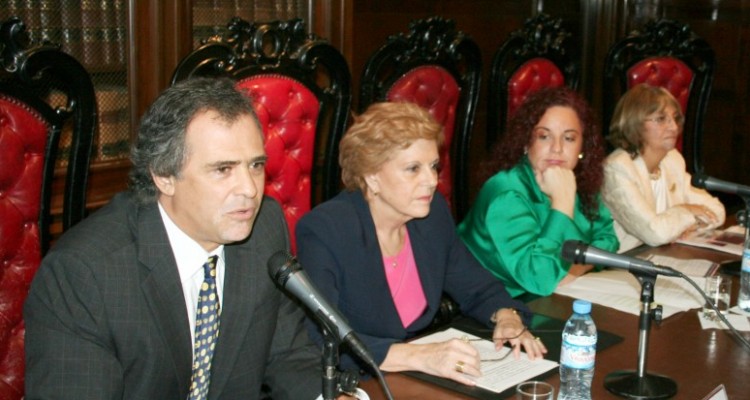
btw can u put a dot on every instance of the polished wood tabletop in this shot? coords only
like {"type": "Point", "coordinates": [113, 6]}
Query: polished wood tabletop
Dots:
{"type": "Point", "coordinates": [697, 360]}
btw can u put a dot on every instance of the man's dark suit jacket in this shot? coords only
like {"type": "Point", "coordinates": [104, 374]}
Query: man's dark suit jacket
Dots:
{"type": "Point", "coordinates": [106, 316]}
{"type": "Point", "coordinates": [338, 247]}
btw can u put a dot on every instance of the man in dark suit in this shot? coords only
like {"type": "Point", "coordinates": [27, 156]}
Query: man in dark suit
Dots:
{"type": "Point", "coordinates": [112, 311]}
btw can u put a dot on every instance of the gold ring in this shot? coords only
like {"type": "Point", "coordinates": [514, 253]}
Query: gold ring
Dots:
{"type": "Point", "coordinates": [460, 367]}
{"type": "Point", "coordinates": [537, 338]}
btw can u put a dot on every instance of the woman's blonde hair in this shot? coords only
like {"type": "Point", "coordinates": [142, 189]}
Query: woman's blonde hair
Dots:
{"type": "Point", "coordinates": [377, 133]}
{"type": "Point", "coordinates": [626, 128]}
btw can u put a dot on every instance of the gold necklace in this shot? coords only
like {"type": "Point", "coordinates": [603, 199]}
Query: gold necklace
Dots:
{"type": "Point", "coordinates": [387, 252]}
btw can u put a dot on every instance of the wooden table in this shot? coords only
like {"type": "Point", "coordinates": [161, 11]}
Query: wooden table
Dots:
{"type": "Point", "coordinates": [697, 360]}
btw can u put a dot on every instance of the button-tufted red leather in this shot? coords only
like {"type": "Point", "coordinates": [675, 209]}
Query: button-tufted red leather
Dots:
{"type": "Point", "coordinates": [288, 112]}
{"type": "Point", "coordinates": [437, 67]}
{"type": "Point", "coordinates": [533, 75]}
{"type": "Point", "coordinates": [667, 72]}
{"type": "Point", "coordinates": [30, 130]}
{"type": "Point", "coordinates": [23, 136]}
{"type": "Point", "coordinates": [435, 90]}
{"type": "Point", "coordinates": [301, 90]}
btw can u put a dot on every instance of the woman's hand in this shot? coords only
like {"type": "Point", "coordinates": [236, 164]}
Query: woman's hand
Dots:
{"type": "Point", "coordinates": [575, 271]}
{"type": "Point", "coordinates": [559, 184]}
{"type": "Point", "coordinates": [454, 359]}
{"type": "Point", "coordinates": [703, 215]}
{"type": "Point", "coordinates": [509, 328]}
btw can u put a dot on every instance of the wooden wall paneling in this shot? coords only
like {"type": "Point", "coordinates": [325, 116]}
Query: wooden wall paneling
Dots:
{"type": "Point", "coordinates": [333, 20]}
{"type": "Point", "coordinates": [724, 25]}
{"type": "Point", "coordinates": [160, 35]}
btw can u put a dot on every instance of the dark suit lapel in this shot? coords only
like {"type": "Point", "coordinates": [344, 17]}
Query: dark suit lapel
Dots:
{"type": "Point", "coordinates": [372, 265]}
{"type": "Point", "coordinates": [242, 273]}
{"type": "Point", "coordinates": [163, 292]}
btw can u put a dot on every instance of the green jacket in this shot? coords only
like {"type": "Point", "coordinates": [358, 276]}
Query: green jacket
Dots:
{"type": "Point", "coordinates": [513, 231]}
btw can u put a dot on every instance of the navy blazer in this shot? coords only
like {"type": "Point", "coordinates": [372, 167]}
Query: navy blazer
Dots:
{"type": "Point", "coordinates": [106, 316]}
{"type": "Point", "coordinates": [338, 247]}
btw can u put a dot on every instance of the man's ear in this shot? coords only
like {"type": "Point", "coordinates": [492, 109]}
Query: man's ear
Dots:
{"type": "Point", "coordinates": [165, 184]}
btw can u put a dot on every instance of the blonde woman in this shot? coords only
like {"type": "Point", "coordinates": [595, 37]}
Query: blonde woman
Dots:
{"type": "Point", "coordinates": [386, 249]}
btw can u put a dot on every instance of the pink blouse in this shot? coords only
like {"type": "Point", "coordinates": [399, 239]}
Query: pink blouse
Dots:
{"type": "Point", "coordinates": [406, 287]}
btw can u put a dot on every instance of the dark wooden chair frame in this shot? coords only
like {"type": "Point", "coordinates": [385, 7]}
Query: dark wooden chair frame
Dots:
{"type": "Point", "coordinates": [540, 37]}
{"type": "Point", "coordinates": [284, 48]}
{"type": "Point", "coordinates": [32, 72]}
{"type": "Point", "coordinates": [664, 38]}
{"type": "Point", "coordinates": [432, 41]}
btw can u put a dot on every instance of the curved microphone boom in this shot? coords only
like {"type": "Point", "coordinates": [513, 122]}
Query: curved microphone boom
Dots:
{"type": "Point", "coordinates": [706, 182]}
{"type": "Point", "coordinates": [288, 274]}
{"type": "Point", "coordinates": [579, 252]}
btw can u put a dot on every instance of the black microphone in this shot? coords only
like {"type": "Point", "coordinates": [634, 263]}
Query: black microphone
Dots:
{"type": "Point", "coordinates": [579, 252]}
{"type": "Point", "coordinates": [288, 274]}
{"type": "Point", "coordinates": [706, 182]}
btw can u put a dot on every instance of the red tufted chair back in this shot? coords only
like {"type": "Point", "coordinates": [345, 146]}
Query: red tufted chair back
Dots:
{"type": "Point", "coordinates": [534, 57]}
{"type": "Point", "coordinates": [288, 113]}
{"type": "Point", "coordinates": [438, 68]}
{"type": "Point", "coordinates": [434, 89]}
{"type": "Point", "coordinates": [301, 90]}
{"type": "Point", "coordinates": [667, 72]}
{"type": "Point", "coordinates": [30, 130]}
{"type": "Point", "coordinates": [668, 54]}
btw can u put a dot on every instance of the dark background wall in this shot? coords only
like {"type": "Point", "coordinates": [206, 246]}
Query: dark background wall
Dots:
{"type": "Point", "coordinates": [596, 25]}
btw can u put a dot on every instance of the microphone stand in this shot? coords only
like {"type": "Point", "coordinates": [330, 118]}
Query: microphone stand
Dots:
{"type": "Point", "coordinates": [334, 381]}
{"type": "Point", "coordinates": [639, 384]}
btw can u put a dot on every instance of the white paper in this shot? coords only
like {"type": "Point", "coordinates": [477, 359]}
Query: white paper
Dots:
{"type": "Point", "coordinates": [497, 376]}
{"type": "Point", "coordinates": [738, 310]}
{"type": "Point", "coordinates": [739, 322]}
{"type": "Point", "coordinates": [720, 393]}
{"type": "Point", "coordinates": [727, 241]}
{"type": "Point", "coordinates": [620, 290]}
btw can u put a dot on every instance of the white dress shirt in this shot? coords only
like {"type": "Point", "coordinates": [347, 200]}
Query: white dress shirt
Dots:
{"type": "Point", "coordinates": [190, 257]}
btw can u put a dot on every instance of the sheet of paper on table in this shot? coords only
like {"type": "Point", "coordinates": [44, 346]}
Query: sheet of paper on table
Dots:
{"type": "Point", "coordinates": [730, 240]}
{"type": "Point", "coordinates": [620, 290]}
{"type": "Point", "coordinates": [497, 375]}
{"type": "Point", "coordinates": [739, 322]}
{"type": "Point", "coordinates": [720, 393]}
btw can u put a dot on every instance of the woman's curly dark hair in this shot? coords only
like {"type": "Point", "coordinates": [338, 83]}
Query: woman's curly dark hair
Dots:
{"type": "Point", "coordinates": [510, 149]}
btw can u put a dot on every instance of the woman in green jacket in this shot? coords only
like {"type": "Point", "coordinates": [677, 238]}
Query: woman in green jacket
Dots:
{"type": "Point", "coordinates": [544, 191]}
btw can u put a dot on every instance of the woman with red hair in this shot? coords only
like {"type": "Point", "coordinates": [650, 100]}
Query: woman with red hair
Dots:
{"type": "Point", "coordinates": [544, 191]}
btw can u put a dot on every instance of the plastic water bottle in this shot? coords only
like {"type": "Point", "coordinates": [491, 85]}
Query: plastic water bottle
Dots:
{"type": "Point", "coordinates": [744, 298]}
{"type": "Point", "coordinates": [578, 353]}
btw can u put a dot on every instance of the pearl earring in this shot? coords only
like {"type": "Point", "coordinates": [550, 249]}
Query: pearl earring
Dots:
{"type": "Point", "coordinates": [580, 156]}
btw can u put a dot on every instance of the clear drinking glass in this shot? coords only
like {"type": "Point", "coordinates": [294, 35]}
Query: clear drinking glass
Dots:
{"type": "Point", "coordinates": [535, 390]}
{"type": "Point", "coordinates": [718, 288]}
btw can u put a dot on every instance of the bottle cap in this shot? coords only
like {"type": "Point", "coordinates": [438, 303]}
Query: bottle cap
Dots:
{"type": "Point", "coordinates": [581, 307]}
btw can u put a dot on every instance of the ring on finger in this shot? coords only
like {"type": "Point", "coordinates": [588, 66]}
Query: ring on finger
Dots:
{"type": "Point", "coordinates": [537, 338]}
{"type": "Point", "coordinates": [460, 367]}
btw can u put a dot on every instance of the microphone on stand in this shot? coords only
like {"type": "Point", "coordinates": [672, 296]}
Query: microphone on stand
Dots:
{"type": "Point", "coordinates": [288, 274]}
{"type": "Point", "coordinates": [703, 181]}
{"type": "Point", "coordinates": [578, 252]}
{"type": "Point", "coordinates": [634, 384]}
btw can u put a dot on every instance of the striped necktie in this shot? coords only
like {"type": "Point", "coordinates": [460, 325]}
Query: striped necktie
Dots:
{"type": "Point", "coordinates": [206, 332]}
